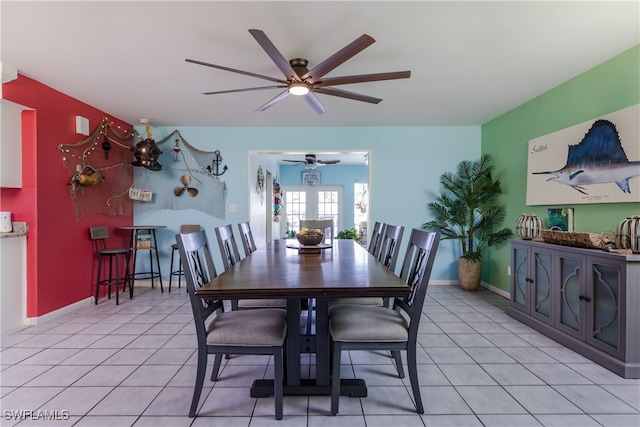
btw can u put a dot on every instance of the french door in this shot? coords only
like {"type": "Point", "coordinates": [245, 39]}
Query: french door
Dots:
{"type": "Point", "coordinates": [312, 202]}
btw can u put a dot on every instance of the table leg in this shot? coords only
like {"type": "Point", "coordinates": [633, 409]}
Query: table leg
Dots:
{"type": "Point", "coordinates": [155, 249]}
{"type": "Point", "coordinates": [321, 385]}
{"type": "Point", "coordinates": [292, 373]}
{"type": "Point", "coordinates": [322, 341]}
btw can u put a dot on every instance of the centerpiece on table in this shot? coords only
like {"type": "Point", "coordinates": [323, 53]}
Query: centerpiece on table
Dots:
{"type": "Point", "coordinates": [310, 236]}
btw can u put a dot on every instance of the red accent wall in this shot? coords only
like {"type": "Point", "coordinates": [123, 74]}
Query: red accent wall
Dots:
{"type": "Point", "coordinates": [60, 258]}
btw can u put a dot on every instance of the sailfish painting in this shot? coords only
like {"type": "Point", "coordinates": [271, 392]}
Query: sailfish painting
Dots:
{"type": "Point", "coordinates": [601, 159]}
{"type": "Point", "coordinates": [598, 159]}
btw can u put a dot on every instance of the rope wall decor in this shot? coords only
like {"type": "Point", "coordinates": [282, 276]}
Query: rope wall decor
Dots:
{"type": "Point", "coordinates": [187, 168]}
{"type": "Point", "coordinates": [100, 171]}
{"type": "Point", "coordinates": [104, 179]}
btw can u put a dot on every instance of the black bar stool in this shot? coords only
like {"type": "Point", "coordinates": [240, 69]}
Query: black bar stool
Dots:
{"type": "Point", "coordinates": [99, 235]}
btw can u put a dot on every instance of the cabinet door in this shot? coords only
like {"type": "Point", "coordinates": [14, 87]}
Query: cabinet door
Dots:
{"type": "Point", "coordinates": [541, 273]}
{"type": "Point", "coordinates": [570, 279]}
{"type": "Point", "coordinates": [605, 291]}
{"type": "Point", "coordinates": [520, 277]}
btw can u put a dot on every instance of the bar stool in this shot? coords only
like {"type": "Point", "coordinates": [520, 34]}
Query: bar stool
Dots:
{"type": "Point", "coordinates": [184, 229]}
{"type": "Point", "coordinates": [99, 235]}
{"type": "Point", "coordinates": [143, 238]}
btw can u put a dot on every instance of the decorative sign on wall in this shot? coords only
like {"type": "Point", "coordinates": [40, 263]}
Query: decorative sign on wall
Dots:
{"type": "Point", "coordinates": [593, 162]}
{"type": "Point", "coordinates": [140, 194]}
{"type": "Point", "coordinates": [311, 177]}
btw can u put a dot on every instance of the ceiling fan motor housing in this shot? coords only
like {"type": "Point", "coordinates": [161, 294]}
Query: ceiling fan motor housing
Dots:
{"type": "Point", "coordinates": [299, 65]}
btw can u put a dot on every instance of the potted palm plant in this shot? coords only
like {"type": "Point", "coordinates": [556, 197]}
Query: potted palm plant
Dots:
{"type": "Point", "coordinates": [469, 210]}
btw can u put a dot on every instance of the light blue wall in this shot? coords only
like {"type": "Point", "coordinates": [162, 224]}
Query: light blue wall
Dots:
{"type": "Point", "coordinates": [405, 167]}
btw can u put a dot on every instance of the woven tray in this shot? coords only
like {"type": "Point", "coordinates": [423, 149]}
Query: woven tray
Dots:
{"type": "Point", "coordinates": [577, 239]}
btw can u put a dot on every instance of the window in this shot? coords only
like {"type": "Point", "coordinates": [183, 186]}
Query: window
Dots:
{"type": "Point", "coordinates": [318, 202]}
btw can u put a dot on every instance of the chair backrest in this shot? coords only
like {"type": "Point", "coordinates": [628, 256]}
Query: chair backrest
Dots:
{"type": "Point", "coordinates": [246, 236]}
{"type": "Point", "coordinates": [376, 238]}
{"type": "Point", "coordinates": [390, 246]}
{"type": "Point", "coordinates": [197, 263]}
{"type": "Point", "coordinates": [99, 235]}
{"type": "Point", "coordinates": [416, 270]}
{"type": "Point", "coordinates": [326, 225]}
{"type": "Point", "coordinates": [228, 246]}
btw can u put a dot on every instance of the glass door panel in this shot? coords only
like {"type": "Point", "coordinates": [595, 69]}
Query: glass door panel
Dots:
{"type": "Point", "coordinates": [604, 306]}
{"type": "Point", "coordinates": [520, 278]}
{"type": "Point", "coordinates": [569, 303]}
{"type": "Point", "coordinates": [317, 202]}
{"type": "Point", "coordinates": [542, 286]}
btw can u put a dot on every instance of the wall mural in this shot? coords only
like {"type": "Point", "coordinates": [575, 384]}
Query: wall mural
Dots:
{"type": "Point", "coordinates": [593, 162]}
{"type": "Point", "coordinates": [104, 177]}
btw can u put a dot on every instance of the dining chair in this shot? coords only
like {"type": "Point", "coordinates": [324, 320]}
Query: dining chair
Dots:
{"type": "Point", "coordinates": [184, 229]}
{"type": "Point", "coordinates": [116, 275]}
{"type": "Point", "coordinates": [219, 332]}
{"type": "Point", "coordinates": [388, 249]}
{"type": "Point", "coordinates": [376, 238]}
{"type": "Point", "coordinates": [326, 225]}
{"type": "Point", "coordinates": [390, 245]}
{"type": "Point", "coordinates": [362, 327]}
{"type": "Point", "coordinates": [228, 246]}
{"type": "Point", "coordinates": [246, 236]}
{"type": "Point", "coordinates": [230, 257]}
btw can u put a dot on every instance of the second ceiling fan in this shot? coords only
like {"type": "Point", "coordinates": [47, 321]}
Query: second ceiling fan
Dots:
{"type": "Point", "coordinates": [306, 83]}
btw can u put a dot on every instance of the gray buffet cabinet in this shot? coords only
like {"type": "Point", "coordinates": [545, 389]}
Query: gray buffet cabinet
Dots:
{"type": "Point", "coordinates": [586, 299]}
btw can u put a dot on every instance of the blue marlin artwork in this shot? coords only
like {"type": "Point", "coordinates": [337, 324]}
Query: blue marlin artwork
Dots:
{"type": "Point", "coordinates": [598, 159]}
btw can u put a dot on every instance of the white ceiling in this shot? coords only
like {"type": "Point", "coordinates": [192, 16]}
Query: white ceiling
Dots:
{"type": "Point", "coordinates": [470, 61]}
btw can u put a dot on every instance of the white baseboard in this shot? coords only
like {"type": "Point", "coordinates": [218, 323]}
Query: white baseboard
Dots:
{"type": "Point", "coordinates": [495, 290]}
{"type": "Point", "coordinates": [485, 285]}
{"type": "Point", "coordinates": [59, 312]}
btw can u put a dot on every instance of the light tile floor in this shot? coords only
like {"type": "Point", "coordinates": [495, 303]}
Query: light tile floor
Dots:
{"type": "Point", "coordinates": [134, 364]}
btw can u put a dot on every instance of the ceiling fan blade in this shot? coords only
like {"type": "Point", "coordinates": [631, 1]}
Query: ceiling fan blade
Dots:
{"type": "Point", "coordinates": [350, 50]}
{"type": "Point", "coordinates": [178, 191]}
{"type": "Point", "coordinates": [248, 89]}
{"type": "Point", "coordinates": [298, 162]}
{"type": "Point", "coordinates": [362, 78]}
{"type": "Point", "coordinates": [186, 180]}
{"type": "Point", "coordinates": [275, 55]}
{"type": "Point", "coordinates": [193, 192]}
{"type": "Point", "coordinates": [346, 94]}
{"type": "Point", "coordinates": [314, 103]}
{"type": "Point", "coordinates": [233, 70]}
{"type": "Point", "coordinates": [328, 162]}
{"type": "Point", "coordinates": [269, 103]}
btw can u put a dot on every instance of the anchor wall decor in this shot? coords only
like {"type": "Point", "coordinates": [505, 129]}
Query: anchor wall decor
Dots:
{"type": "Point", "coordinates": [217, 160]}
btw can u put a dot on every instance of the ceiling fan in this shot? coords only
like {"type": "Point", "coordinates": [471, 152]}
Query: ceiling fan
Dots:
{"type": "Point", "coordinates": [306, 83]}
{"type": "Point", "coordinates": [311, 161]}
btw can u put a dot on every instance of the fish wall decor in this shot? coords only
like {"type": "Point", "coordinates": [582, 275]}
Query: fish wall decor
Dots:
{"type": "Point", "coordinates": [596, 161]}
{"type": "Point", "coordinates": [599, 158]}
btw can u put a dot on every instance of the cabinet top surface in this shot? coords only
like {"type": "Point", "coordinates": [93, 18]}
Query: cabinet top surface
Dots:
{"type": "Point", "coordinates": [592, 252]}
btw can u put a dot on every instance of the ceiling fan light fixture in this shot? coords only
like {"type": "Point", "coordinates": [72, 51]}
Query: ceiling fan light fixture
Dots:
{"type": "Point", "coordinates": [298, 89]}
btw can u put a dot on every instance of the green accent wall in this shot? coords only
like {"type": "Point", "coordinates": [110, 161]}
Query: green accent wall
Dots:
{"type": "Point", "coordinates": [609, 87]}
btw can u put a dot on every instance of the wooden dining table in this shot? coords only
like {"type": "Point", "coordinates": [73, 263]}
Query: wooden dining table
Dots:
{"type": "Point", "coordinates": [346, 269]}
